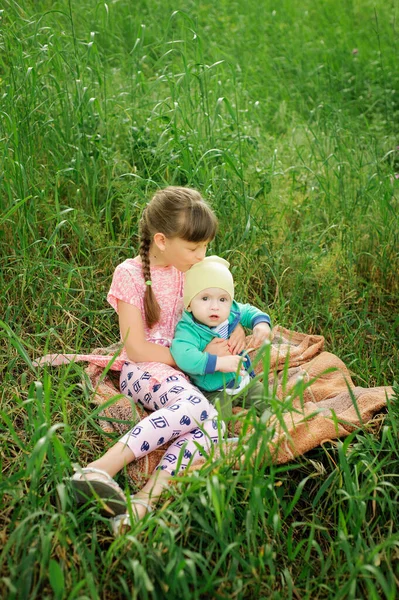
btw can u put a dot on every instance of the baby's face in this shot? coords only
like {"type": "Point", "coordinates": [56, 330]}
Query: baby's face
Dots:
{"type": "Point", "coordinates": [211, 306]}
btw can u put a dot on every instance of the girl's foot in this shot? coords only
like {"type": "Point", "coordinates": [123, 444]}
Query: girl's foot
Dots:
{"type": "Point", "coordinates": [90, 483]}
{"type": "Point", "coordinates": [123, 522]}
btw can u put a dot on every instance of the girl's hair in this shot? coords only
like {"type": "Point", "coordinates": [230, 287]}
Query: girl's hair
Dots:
{"type": "Point", "coordinates": [177, 212]}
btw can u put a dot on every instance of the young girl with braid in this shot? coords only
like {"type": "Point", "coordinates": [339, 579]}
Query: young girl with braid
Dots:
{"type": "Point", "coordinates": [147, 294]}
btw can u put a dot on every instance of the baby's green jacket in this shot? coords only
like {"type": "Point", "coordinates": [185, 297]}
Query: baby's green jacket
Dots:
{"type": "Point", "coordinates": [192, 337]}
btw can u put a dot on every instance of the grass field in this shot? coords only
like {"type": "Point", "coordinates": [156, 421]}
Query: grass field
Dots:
{"type": "Point", "coordinates": [286, 116]}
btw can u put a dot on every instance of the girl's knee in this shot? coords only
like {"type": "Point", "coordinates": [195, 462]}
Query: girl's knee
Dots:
{"type": "Point", "coordinates": [134, 383]}
{"type": "Point", "coordinates": [198, 404]}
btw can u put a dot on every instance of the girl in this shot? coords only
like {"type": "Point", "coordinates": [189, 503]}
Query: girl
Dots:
{"type": "Point", "coordinates": [147, 293]}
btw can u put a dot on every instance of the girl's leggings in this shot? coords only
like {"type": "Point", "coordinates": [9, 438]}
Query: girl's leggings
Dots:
{"type": "Point", "coordinates": [181, 412]}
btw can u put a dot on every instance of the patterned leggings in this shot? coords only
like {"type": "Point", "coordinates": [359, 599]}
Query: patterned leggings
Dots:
{"type": "Point", "coordinates": [180, 411]}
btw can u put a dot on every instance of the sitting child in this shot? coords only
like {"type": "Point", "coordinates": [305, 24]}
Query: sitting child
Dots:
{"type": "Point", "coordinates": [211, 311]}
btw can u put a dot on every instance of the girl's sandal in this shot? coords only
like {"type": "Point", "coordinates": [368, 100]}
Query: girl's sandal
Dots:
{"type": "Point", "coordinates": [122, 523]}
{"type": "Point", "coordinates": [102, 487]}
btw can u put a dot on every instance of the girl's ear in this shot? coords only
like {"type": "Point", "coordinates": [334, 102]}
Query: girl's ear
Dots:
{"type": "Point", "coordinates": [160, 240]}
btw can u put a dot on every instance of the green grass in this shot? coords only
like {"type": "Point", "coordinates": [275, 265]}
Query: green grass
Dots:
{"type": "Point", "coordinates": [286, 117]}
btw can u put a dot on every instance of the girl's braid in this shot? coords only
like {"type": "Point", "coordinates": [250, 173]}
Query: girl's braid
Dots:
{"type": "Point", "coordinates": [151, 306]}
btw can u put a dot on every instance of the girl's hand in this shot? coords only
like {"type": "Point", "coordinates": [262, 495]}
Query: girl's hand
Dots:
{"type": "Point", "coordinates": [261, 332]}
{"type": "Point", "coordinates": [228, 364]}
{"type": "Point", "coordinates": [237, 340]}
{"type": "Point", "coordinates": [218, 346]}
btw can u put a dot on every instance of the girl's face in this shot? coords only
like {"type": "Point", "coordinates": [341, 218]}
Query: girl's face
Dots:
{"type": "Point", "coordinates": [177, 252]}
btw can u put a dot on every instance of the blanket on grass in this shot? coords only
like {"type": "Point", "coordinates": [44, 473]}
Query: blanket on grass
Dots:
{"type": "Point", "coordinates": [319, 401]}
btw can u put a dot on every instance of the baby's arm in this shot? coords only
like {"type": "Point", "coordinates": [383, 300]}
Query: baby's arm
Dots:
{"type": "Point", "coordinates": [258, 321]}
{"type": "Point", "coordinates": [190, 359]}
{"type": "Point", "coordinates": [133, 336]}
{"type": "Point", "coordinates": [218, 346]}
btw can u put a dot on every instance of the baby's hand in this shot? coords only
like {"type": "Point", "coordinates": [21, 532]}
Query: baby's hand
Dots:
{"type": "Point", "coordinates": [261, 332]}
{"type": "Point", "coordinates": [228, 364]}
{"type": "Point", "coordinates": [218, 346]}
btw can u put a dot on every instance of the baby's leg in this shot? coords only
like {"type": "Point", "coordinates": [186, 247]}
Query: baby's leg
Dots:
{"type": "Point", "coordinates": [252, 395]}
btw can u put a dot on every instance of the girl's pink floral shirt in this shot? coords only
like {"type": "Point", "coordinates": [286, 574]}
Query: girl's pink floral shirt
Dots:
{"type": "Point", "coordinates": [128, 284]}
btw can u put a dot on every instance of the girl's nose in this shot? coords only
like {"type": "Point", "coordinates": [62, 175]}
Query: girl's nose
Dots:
{"type": "Point", "coordinates": [200, 254]}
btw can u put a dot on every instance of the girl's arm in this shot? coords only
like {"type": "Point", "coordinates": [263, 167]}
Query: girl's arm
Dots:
{"type": "Point", "coordinates": [237, 340]}
{"type": "Point", "coordinates": [193, 361]}
{"type": "Point", "coordinates": [234, 345]}
{"type": "Point", "coordinates": [133, 336]}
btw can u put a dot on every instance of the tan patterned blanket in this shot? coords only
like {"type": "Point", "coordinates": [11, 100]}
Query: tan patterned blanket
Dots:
{"type": "Point", "coordinates": [319, 399]}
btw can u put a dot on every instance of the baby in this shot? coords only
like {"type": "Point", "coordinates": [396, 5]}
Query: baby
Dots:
{"type": "Point", "coordinates": [211, 311]}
